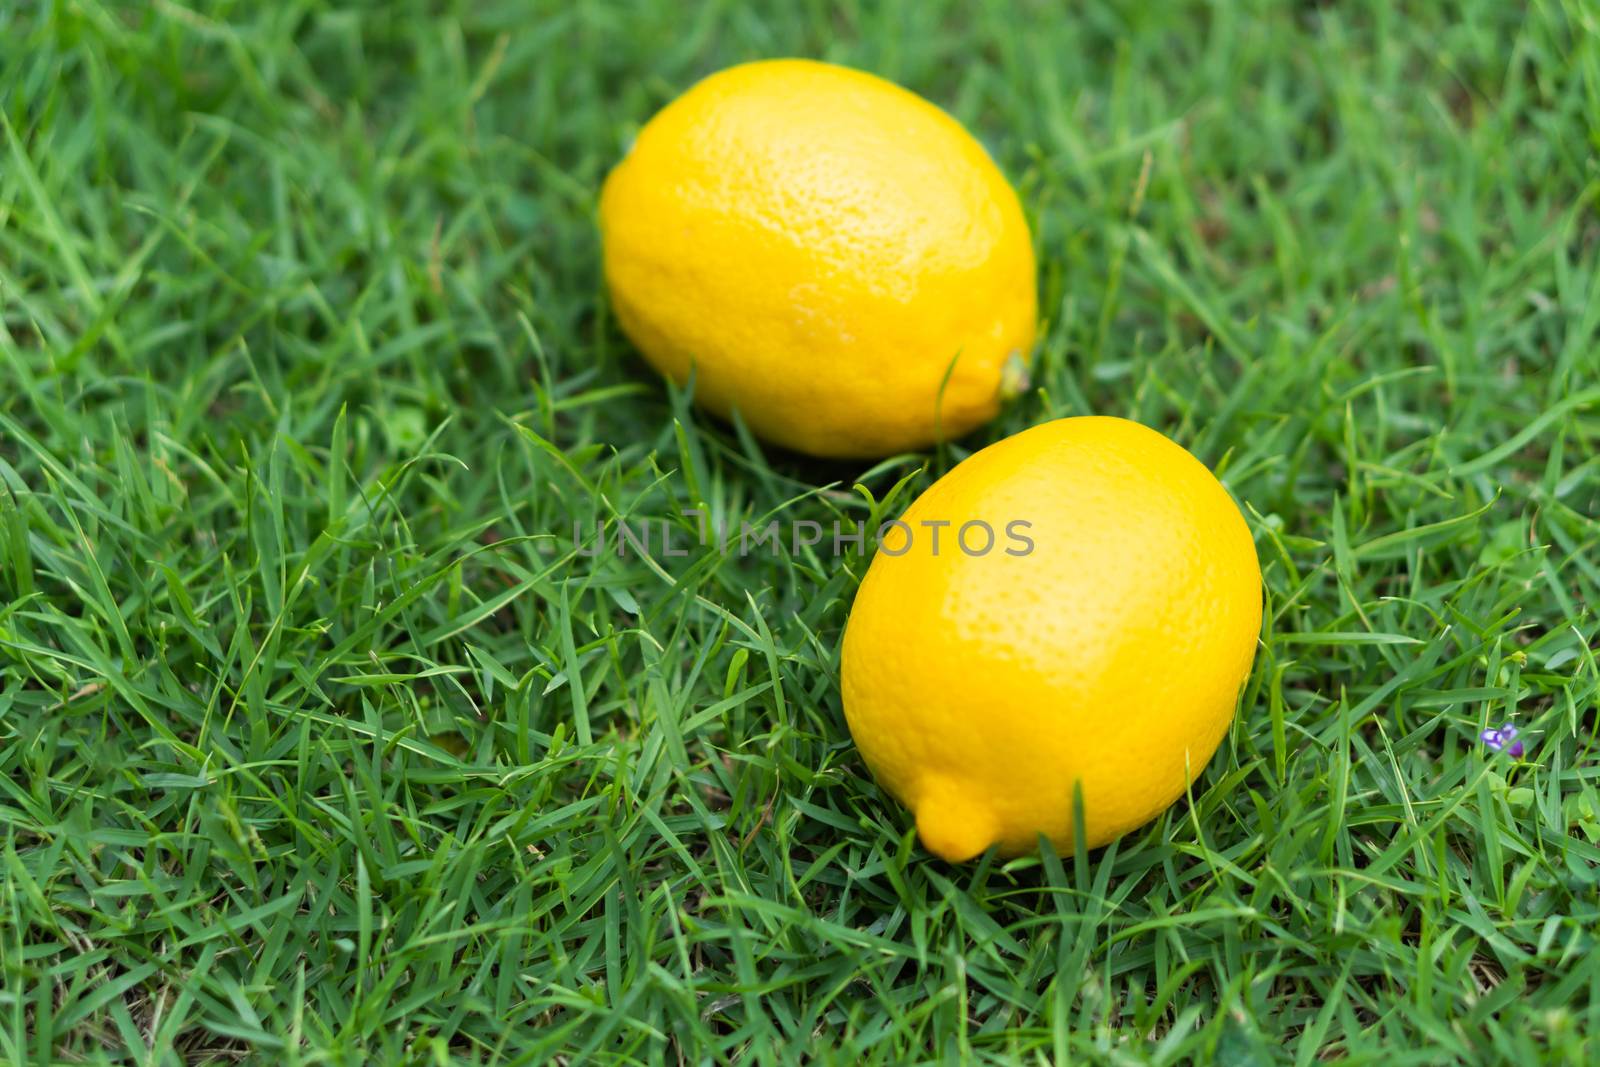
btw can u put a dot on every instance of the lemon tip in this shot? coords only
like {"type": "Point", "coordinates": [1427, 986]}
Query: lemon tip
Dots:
{"type": "Point", "coordinates": [953, 828]}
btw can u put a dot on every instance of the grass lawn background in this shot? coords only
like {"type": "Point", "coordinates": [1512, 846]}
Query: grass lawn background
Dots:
{"type": "Point", "coordinates": [320, 745]}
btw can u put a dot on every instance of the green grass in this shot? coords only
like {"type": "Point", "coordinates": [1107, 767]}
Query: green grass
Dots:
{"type": "Point", "coordinates": [320, 745]}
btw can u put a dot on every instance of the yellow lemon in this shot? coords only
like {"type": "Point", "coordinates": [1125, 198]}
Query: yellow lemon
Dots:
{"type": "Point", "coordinates": [833, 256]}
{"type": "Point", "coordinates": [1098, 640]}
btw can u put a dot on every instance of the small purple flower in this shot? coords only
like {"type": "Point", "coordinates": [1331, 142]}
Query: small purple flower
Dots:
{"type": "Point", "coordinates": [1503, 740]}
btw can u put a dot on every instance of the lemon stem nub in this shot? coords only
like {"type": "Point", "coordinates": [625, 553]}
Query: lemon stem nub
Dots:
{"type": "Point", "coordinates": [951, 825]}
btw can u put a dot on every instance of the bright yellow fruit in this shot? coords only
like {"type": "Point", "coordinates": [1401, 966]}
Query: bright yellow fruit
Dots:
{"type": "Point", "coordinates": [981, 688]}
{"type": "Point", "coordinates": [821, 246]}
